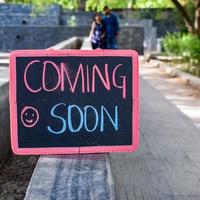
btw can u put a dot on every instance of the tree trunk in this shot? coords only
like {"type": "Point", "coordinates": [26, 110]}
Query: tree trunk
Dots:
{"type": "Point", "coordinates": [130, 3]}
{"type": "Point", "coordinates": [185, 15]}
{"type": "Point", "coordinates": [81, 4]}
{"type": "Point", "coordinates": [197, 16]}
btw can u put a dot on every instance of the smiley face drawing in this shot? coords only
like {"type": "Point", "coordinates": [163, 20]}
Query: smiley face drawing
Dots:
{"type": "Point", "coordinates": [29, 116]}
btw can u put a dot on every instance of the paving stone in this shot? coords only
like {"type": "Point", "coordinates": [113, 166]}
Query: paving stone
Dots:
{"type": "Point", "coordinates": [162, 168]}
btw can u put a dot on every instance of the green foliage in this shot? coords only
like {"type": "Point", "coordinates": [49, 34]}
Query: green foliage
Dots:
{"type": "Point", "coordinates": [40, 5]}
{"type": "Point", "coordinates": [68, 4]}
{"type": "Point", "coordinates": [19, 1]}
{"type": "Point", "coordinates": [189, 6]}
{"type": "Point", "coordinates": [154, 4]}
{"type": "Point", "coordinates": [171, 43]}
{"type": "Point", "coordinates": [190, 46]}
{"type": "Point", "coordinates": [98, 5]}
{"type": "Point", "coordinates": [185, 45]}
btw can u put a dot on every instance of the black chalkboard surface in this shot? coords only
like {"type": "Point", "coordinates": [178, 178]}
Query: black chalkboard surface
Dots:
{"type": "Point", "coordinates": [74, 101]}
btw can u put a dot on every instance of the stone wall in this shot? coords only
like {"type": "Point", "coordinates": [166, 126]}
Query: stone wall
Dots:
{"type": "Point", "coordinates": [17, 14]}
{"type": "Point", "coordinates": [20, 37]}
{"type": "Point", "coordinates": [28, 20]}
{"type": "Point", "coordinates": [40, 37]}
{"type": "Point", "coordinates": [131, 37]}
{"type": "Point", "coordinates": [23, 15]}
{"type": "Point", "coordinates": [165, 26]}
{"type": "Point", "coordinates": [20, 29]}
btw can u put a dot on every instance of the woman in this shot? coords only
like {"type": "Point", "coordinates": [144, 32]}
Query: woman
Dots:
{"type": "Point", "coordinates": [97, 33]}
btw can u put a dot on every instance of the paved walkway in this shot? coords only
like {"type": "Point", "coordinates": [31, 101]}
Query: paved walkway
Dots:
{"type": "Point", "coordinates": [167, 163]}
{"type": "Point", "coordinates": [185, 97]}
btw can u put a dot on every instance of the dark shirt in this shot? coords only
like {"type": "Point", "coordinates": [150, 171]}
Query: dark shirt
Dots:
{"type": "Point", "coordinates": [111, 25]}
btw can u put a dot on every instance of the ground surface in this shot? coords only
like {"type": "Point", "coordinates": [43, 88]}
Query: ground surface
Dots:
{"type": "Point", "coordinates": [15, 176]}
{"type": "Point", "coordinates": [185, 97]}
{"type": "Point", "coordinates": [167, 163]}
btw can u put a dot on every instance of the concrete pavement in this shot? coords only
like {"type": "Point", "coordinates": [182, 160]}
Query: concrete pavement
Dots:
{"type": "Point", "coordinates": [167, 163]}
{"type": "Point", "coordinates": [182, 95]}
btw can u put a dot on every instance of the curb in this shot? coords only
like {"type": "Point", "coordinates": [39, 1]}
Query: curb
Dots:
{"type": "Point", "coordinates": [187, 78]}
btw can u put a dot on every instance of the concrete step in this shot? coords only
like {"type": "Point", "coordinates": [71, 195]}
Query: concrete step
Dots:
{"type": "Point", "coordinates": [4, 62]}
{"type": "Point", "coordinates": [86, 45]}
{"type": "Point", "coordinates": [3, 80]}
{"type": "Point", "coordinates": [71, 43]}
{"type": "Point", "coordinates": [4, 55]}
{"type": "Point", "coordinates": [3, 75]}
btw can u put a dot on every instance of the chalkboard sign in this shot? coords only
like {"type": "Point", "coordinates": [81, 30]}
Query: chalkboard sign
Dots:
{"type": "Point", "coordinates": [73, 101]}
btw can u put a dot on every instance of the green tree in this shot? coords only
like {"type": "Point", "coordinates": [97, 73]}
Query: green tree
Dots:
{"type": "Point", "coordinates": [41, 4]}
{"type": "Point", "coordinates": [153, 4]}
{"type": "Point", "coordinates": [97, 5]}
{"type": "Point", "coordinates": [191, 20]}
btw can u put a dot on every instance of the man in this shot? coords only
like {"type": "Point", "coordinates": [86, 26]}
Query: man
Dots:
{"type": "Point", "coordinates": [112, 28]}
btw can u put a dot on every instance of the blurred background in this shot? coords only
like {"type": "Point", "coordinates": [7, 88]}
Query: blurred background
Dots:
{"type": "Point", "coordinates": [34, 24]}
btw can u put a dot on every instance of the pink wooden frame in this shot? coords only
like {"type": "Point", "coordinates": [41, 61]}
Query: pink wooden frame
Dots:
{"type": "Point", "coordinates": [72, 150]}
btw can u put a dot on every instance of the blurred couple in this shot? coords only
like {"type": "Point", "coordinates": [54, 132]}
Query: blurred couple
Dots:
{"type": "Point", "coordinates": [104, 30]}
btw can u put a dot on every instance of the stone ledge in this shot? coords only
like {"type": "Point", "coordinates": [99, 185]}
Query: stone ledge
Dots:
{"type": "Point", "coordinates": [86, 45]}
{"type": "Point", "coordinates": [4, 55]}
{"type": "Point", "coordinates": [186, 77]}
{"type": "Point", "coordinates": [72, 43]}
{"type": "Point", "coordinates": [61, 177]}
{"type": "Point", "coordinates": [4, 62]}
{"type": "Point", "coordinates": [159, 60]}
